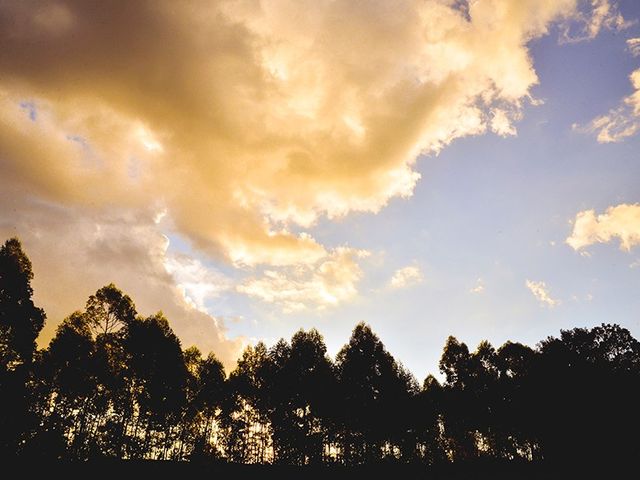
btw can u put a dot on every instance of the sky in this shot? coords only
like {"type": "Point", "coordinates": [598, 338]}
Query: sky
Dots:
{"type": "Point", "coordinates": [432, 168]}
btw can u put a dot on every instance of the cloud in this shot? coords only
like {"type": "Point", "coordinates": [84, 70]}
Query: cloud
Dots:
{"type": "Point", "coordinates": [586, 25]}
{"type": "Point", "coordinates": [75, 252]}
{"type": "Point", "coordinates": [406, 277]}
{"type": "Point", "coordinates": [241, 122]}
{"type": "Point", "coordinates": [541, 292]}
{"type": "Point", "coordinates": [197, 282]}
{"type": "Point", "coordinates": [242, 128]}
{"type": "Point", "coordinates": [479, 286]}
{"type": "Point", "coordinates": [633, 45]}
{"type": "Point", "coordinates": [501, 124]}
{"type": "Point", "coordinates": [621, 221]}
{"type": "Point", "coordinates": [622, 121]}
{"type": "Point", "coordinates": [309, 287]}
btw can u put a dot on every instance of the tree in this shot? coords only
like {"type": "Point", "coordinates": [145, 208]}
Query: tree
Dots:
{"type": "Point", "coordinates": [301, 380]}
{"type": "Point", "coordinates": [67, 369]}
{"type": "Point", "coordinates": [428, 421]}
{"type": "Point", "coordinates": [373, 393]}
{"type": "Point", "coordinates": [20, 324]}
{"type": "Point", "coordinates": [586, 394]}
{"type": "Point", "coordinates": [457, 366]}
{"type": "Point", "coordinates": [248, 432]}
{"type": "Point", "coordinates": [513, 415]}
{"type": "Point", "coordinates": [205, 395]}
{"type": "Point", "coordinates": [157, 375]}
{"type": "Point", "coordinates": [110, 313]}
{"type": "Point", "coordinates": [20, 320]}
{"type": "Point", "coordinates": [109, 310]}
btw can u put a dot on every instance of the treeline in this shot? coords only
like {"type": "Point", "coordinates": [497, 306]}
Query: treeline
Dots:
{"type": "Point", "coordinates": [112, 384]}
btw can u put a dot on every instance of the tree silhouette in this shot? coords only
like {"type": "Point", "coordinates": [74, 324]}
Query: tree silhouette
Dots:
{"type": "Point", "coordinates": [372, 390]}
{"type": "Point", "coordinates": [301, 381]}
{"type": "Point", "coordinates": [428, 422]}
{"type": "Point", "coordinates": [205, 395]}
{"type": "Point", "coordinates": [68, 371]}
{"type": "Point", "coordinates": [112, 384]}
{"type": "Point", "coordinates": [247, 436]}
{"type": "Point", "coordinates": [109, 310]}
{"type": "Point", "coordinates": [457, 366]}
{"type": "Point", "coordinates": [20, 320]}
{"type": "Point", "coordinates": [158, 376]}
{"type": "Point", "coordinates": [20, 324]}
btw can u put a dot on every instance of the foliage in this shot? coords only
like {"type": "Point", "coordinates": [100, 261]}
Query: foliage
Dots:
{"type": "Point", "coordinates": [112, 384]}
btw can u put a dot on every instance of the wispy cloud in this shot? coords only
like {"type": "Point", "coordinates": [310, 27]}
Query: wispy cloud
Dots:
{"type": "Point", "coordinates": [633, 45]}
{"type": "Point", "coordinates": [622, 121]}
{"type": "Point", "coordinates": [541, 292]}
{"type": "Point", "coordinates": [587, 24]}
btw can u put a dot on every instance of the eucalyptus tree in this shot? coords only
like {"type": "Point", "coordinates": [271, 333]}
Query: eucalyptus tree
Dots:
{"type": "Point", "coordinates": [373, 391]}
{"type": "Point", "coordinates": [20, 324]}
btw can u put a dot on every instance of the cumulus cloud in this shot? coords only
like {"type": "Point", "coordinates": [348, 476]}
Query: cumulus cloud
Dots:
{"type": "Point", "coordinates": [406, 277]}
{"type": "Point", "coordinates": [621, 221]}
{"type": "Point", "coordinates": [242, 123]}
{"type": "Point", "coordinates": [309, 287]}
{"type": "Point", "coordinates": [239, 120]}
{"type": "Point", "coordinates": [622, 121]}
{"type": "Point", "coordinates": [541, 292]}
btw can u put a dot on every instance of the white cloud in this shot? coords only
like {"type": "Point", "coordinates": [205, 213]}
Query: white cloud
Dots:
{"type": "Point", "coordinates": [622, 121]}
{"type": "Point", "coordinates": [197, 282]}
{"type": "Point", "coordinates": [541, 292]}
{"type": "Point", "coordinates": [586, 25]}
{"type": "Point", "coordinates": [240, 127]}
{"type": "Point", "coordinates": [633, 45]}
{"type": "Point", "coordinates": [501, 124]}
{"type": "Point", "coordinates": [245, 125]}
{"type": "Point", "coordinates": [75, 252]}
{"type": "Point", "coordinates": [406, 277]}
{"type": "Point", "coordinates": [621, 221]}
{"type": "Point", "coordinates": [309, 287]}
{"type": "Point", "coordinates": [479, 286]}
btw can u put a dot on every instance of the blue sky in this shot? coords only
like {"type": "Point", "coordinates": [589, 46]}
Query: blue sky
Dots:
{"type": "Point", "coordinates": [250, 176]}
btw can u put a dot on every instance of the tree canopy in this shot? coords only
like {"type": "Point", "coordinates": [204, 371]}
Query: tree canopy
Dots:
{"type": "Point", "coordinates": [114, 384]}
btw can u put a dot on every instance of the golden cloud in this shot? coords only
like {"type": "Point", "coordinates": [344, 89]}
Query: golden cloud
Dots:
{"type": "Point", "coordinates": [243, 122]}
{"type": "Point", "coordinates": [621, 221]}
{"type": "Point", "coordinates": [239, 120]}
{"type": "Point", "coordinates": [331, 281]}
